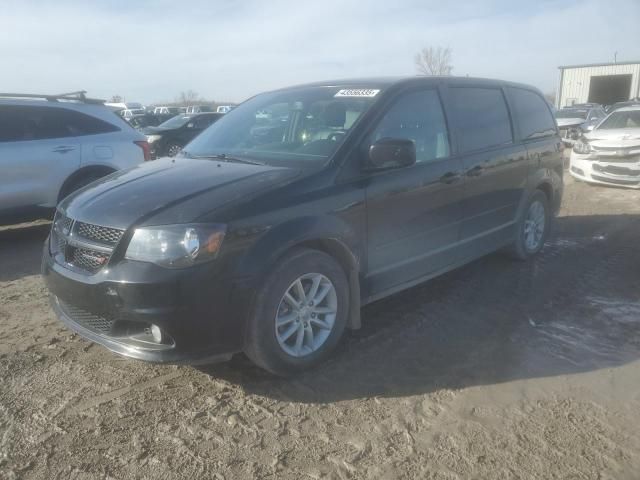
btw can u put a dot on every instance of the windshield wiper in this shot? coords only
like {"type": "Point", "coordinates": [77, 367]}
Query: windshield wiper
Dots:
{"type": "Point", "coordinates": [224, 157]}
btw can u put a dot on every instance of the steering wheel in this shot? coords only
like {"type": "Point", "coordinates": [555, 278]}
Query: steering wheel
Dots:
{"type": "Point", "coordinates": [335, 136]}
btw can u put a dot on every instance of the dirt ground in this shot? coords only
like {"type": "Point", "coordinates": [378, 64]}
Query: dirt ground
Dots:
{"type": "Point", "coordinates": [497, 370]}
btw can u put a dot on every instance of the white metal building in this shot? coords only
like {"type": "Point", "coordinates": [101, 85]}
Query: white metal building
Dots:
{"type": "Point", "coordinates": [604, 83]}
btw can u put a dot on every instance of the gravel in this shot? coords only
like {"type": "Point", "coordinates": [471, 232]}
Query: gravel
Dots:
{"type": "Point", "coordinates": [499, 369]}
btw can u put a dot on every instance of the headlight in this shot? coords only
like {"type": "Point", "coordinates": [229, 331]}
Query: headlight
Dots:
{"type": "Point", "coordinates": [153, 138]}
{"type": "Point", "coordinates": [176, 246]}
{"type": "Point", "coordinates": [582, 147]}
{"type": "Point", "coordinates": [575, 133]}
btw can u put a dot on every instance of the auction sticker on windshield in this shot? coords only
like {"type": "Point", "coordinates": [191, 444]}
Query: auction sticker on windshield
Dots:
{"type": "Point", "coordinates": [357, 92]}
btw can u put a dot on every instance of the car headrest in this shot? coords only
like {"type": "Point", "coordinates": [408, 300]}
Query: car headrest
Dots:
{"type": "Point", "coordinates": [335, 114]}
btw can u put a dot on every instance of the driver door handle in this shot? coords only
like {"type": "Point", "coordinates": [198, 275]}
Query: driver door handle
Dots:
{"type": "Point", "coordinates": [63, 149]}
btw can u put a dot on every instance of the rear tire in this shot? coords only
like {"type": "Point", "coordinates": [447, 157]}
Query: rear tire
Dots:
{"type": "Point", "coordinates": [532, 227]}
{"type": "Point", "coordinates": [285, 339]}
{"type": "Point", "coordinates": [173, 149]}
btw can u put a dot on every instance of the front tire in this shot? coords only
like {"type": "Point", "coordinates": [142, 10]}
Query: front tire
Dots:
{"type": "Point", "coordinates": [532, 227]}
{"type": "Point", "coordinates": [299, 314]}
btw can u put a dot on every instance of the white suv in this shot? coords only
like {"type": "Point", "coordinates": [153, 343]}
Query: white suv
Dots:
{"type": "Point", "coordinates": [51, 146]}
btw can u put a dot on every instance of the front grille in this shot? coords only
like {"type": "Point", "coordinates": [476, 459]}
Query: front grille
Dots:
{"type": "Point", "coordinates": [96, 233]}
{"type": "Point", "coordinates": [616, 181]}
{"type": "Point", "coordinates": [60, 230]}
{"type": "Point", "coordinates": [90, 260]}
{"type": "Point", "coordinates": [613, 170]}
{"type": "Point", "coordinates": [57, 243]}
{"type": "Point", "coordinates": [87, 319]}
{"type": "Point", "coordinates": [63, 223]}
{"type": "Point", "coordinates": [83, 246]}
{"type": "Point", "coordinates": [612, 159]}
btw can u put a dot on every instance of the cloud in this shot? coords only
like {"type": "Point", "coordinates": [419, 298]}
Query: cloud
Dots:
{"type": "Point", "coordinates": [228, 50]}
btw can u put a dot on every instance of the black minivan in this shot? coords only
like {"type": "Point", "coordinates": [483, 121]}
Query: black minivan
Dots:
{"type": "Point", "coordinates": [271, 229]}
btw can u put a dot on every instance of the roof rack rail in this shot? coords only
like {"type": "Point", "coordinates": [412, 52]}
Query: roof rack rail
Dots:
{"type": "Point", "coordinates": [79, 96]}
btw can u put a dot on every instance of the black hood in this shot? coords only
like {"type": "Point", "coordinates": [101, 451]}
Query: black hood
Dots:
{"type": "Point", "coordinates": [139, 194]}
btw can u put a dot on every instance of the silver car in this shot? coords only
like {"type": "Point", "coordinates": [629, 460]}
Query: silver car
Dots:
{"type": "Point", "coordinates": [51, 146]}
{"type": "Point", "coordinates": [578, 119]}
{"type": "Point", "coordinates": [610, 154]}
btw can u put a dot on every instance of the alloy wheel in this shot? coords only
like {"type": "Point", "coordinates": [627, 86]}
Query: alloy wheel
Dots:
{"type": "Point", "coordinates": [534, 226]}
{"type": "Point", "coordinates": [306, 315]}
{"type": "Point", "coordinates": [173, 150]}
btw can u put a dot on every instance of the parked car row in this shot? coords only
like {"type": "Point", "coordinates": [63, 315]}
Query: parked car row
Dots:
{"type": "Point", "coordinates": [610, 153]}
{"type": "Point", "coordinates": [131, 109]}
{"type": "Point", "coordinates": [575, 120]}
{"type": "Point", "coordinates": [53, 145]}
{"type": "Point", "coordinates": [84, 139]}
{"type": "Point", "coordinates": [580, 118]}
{"type": "Point", "coordinates": [141, 117]}
{"type": "Point", "coordinates": [168, 138]}
{"type": "Point", "coordinates": [275, 222]}
{"type": "Point", "coordinates": [629, 103]}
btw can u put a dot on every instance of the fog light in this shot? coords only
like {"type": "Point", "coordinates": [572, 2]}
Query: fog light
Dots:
{"type": "Point", "coordinates": [156, 333]}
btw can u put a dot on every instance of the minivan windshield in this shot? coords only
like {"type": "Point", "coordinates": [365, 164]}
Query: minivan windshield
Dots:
{"type": "Point", "coordinates": [296, 126]}
{"type": "Point", "coordinates": [624, 119]}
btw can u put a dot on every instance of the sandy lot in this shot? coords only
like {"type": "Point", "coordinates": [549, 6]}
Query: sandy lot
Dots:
{"type": "Point", "coordinates": [496, 370]}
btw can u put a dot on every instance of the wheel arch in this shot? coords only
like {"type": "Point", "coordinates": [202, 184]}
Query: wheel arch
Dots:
{"type": "Point", "coordinates": [326, 234]}
{"type": "Point", "coordinates": [101, 170]}
{"type": "Point", "coordinates": [341, 253]}
{"type": "Point", "coordinates": [549, 182]}
{"type": "Point", "coordinates": [547, 189]}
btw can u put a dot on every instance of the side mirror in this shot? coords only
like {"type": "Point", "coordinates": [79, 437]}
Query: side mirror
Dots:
{"type": "Point", "coordinates": [392, 153]}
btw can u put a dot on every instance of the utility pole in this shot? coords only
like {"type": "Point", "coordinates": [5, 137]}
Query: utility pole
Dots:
{"type": "Point", "coordinates": [615, 57]}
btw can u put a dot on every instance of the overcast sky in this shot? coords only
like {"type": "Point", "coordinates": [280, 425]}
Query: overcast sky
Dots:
{"type": "Point", "coordinates": [149, 51]}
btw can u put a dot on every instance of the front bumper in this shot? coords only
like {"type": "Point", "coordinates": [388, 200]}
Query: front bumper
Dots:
{"type": "Point", "coordinates": [198, 310]}
{"type": "Point", "coordinates": [605, 171]}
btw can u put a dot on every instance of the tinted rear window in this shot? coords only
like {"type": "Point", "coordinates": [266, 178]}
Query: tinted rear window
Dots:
{"type": "Point", "coordinates": [23, 123]}
{"type": "Point", "coordinates": [532, 114]}
{"type": "Point", "coordinates": [482, 118]}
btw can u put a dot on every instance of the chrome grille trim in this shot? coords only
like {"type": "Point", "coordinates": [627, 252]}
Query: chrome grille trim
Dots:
{"type": "Point", "coordinates": [82, 246]}
{"type": "Point", "coordinates": [89, 260]}
{"type": "Point", "coordinates": [98, 234]}
{"type": "Point", "coordinates": [74, 242]}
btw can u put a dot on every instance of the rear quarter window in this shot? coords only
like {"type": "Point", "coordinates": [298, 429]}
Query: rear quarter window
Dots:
{"type": "Point", "coordinates": [532, 114]}
{"type": "Point", "coordinates": [481, 117]}
{"type": "Point", "coordinates": [80, 124]}
{"type": "Point", "coordinates": [11, 126]}
{"type": "Point", "coordinates": [24, 123]}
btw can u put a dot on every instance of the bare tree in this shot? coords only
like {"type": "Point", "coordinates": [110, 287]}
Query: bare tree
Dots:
{"type": "Point", "coordinates": [434, 61]}
{"type": "Point", "coordinates": [188, 98]}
